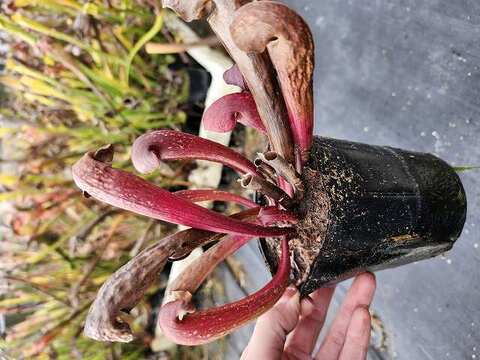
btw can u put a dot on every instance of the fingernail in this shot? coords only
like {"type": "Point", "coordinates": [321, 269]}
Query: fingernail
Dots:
{"type": "Point", "coordinates": [294, 298]}
{"type": "Point", "coordinates": [290, 291]}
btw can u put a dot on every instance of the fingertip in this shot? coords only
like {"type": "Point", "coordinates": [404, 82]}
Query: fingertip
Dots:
{"type": "Point", "coordinates": [290, 292]}
{"type": "Point", "coordinates": [290, 298]}
{"type": "Point", "coordinates": [322, 293]}
{"type": "Point", "coordinates": [358, 332]}
{"type": "Point", "coordinates": [367, 277]}
{"type": "Point", "coordinates": [361, 318]}
{"type": "Point", "coordinates": [293, 298]}
{"type": "Point", "coordinates": [352, 323]}
{"type": "Point", "coordinates": [316, 301]}
{"type": "Point", "coordinates": [272, 328]}
{"type": "Point", "coordinates": [367, 281]}
{"type": "Point", "coordinates": [307, 306]}
{"type": "Point", "coordinates": [358, 335]}
{"type": "Point", "coordinates": [372, 278]}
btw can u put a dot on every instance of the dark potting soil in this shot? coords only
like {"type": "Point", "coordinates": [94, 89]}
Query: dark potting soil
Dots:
{"type": "Point", "coordinates": [370, 208]}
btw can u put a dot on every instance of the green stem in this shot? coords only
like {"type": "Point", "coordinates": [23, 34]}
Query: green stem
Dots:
{"type": "Point", "coordinates": [143, 40]}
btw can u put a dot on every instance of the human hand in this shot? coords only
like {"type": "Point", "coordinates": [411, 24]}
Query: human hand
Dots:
{"type": "Point", "coordinates": [289, 330]}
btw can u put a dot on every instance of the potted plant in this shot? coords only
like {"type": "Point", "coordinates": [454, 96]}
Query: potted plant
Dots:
{"type": "Point", "coordinates": [330, 208]}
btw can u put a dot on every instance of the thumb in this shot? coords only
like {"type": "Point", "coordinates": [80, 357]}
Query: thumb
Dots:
{"type": "Point", "coordinates": [272, 328]}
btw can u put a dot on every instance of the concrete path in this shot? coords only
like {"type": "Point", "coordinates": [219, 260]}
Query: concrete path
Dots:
{"type": "Point", "coordinates": [404, 74]}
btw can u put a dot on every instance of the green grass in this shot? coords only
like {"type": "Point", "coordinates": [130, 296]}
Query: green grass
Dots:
{"type": "Point", "coordinates": [77, 78]}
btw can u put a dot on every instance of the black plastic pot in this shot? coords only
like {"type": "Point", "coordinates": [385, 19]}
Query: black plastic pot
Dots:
{"type": "Point", "coordinates": [370, 208]}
